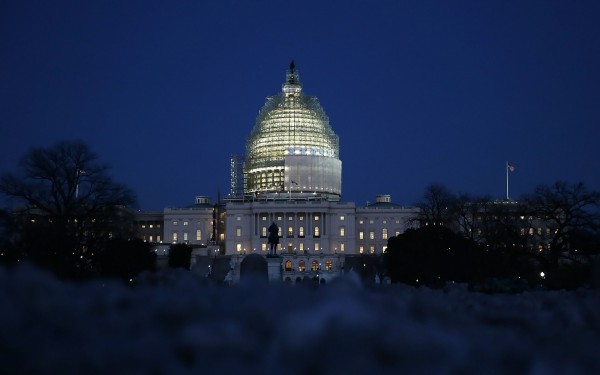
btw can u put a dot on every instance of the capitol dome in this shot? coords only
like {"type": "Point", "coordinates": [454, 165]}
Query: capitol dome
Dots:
{"type": "Point", "coordinates": [292, 148]}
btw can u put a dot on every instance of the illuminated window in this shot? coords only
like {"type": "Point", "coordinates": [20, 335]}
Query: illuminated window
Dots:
{"type": "Point", "coordinates": [385, 221]}
{"type": "Point", "coordinates": [174, 236]}
{"type": "Point", "coordinates": [301, 246]}
{"type": "Point", "coordinates": [174, 222]}
{"type": "Point", "coordinates": [288, 265]}
{"type": "Point", "coordinates": [279, 232]}
{"type": "Point", "coordinates": [238, 218]}
{"type": "Point", "coordinates": [342, 231]}
{"type": "Point", "coordinates": [279, 217]}
{"type": "Point", "coordinates": [301, 232]}
{"type": "Point", "coordinates": [238, 247]}
{"type": "Point", "coordinates": [397, 221]}
{"type": "Point", "coordinates": [361, 235]}
{"type": "Point", "coordinates": [263, 232]}
{"type": "Point", "coordinates": [290, 218]}
{"type": "Point", "coordinates": [143, 226]}
{"type": "Point", "coordinates": [371, 235]}
{"type": "Point", "coordinates": [539, 231]}
{"type": "Point", "coordinates": [361, 221]}
{"type": "Point", "coordinates": [185, 236]}
{"type": "Point", "coordinates": [222, 237]}
{"type": "Point", "coordinates": [317, 246]}
{"type": "Point", "coordinates": [263, 247]}
{"type": "Point", "coordinates": [314, 265]}
{"type": "Point", "coordinates": [157, 238]}
{"type": "Point", "coordinates": [185, 222]}
{"type": "Point", "coordinates": [384, 234]}
{"type": "Point", "coordinates": [531, 231]}
{"type": "Point", "coordinates": [301, 266]}
{"type": "Point", "coordinates": [198, 235]}
{"type": "Point", "coordinates": [370, 221]}
{"type": "Point", "coordinates": [342, 218]}
{"type": "Point", "coordinates": [385, 249]}
{"type": "Point", "coordinates": [150, 238]}
{"type": "Point", "coordinates": [522, 231]}
{"type": "Point", "coordinates": [397, 233]}
{"type": "Point", "coordinates": [316, 218]}
{"type": "Point", "coordinates": [238, 231]}
{"type": "Point", "coordinates": [290, 232]}
{"type": "Point", "coordinates": [328, 264]}
{"type": "Point", "coordinates": [301, 218]}
{"type": "Point", "coordinates": [372, 249]}
{"type": "Point", "coordinates": [342, 247]}
{"type": "Point", "coordinates": [361, 249]}
{"type": "Point", "coordinates": [316, 232]}
{"type": "Point", "coordinates": [151, 226]}
{"type": "Point", "coordinates": [263, 218]}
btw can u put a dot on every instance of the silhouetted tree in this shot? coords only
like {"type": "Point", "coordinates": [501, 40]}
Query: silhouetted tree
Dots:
{"type": "Point", "coordinates": [568, 210]}
{"type": "Point", "coordinates": [436, 207]}
{"type": "Point", "coordinates": [8, 253]}
{"type": "Point", "coordinates": [431, 256]}
{"type": "Point", "coordinates": [180, 256]}
{"type": "Point", "coordinates": [125, 259]}
{"type": "Point", "coordinates": [66, 207]}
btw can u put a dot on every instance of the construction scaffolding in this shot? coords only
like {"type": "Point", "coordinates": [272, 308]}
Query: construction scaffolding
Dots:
{"type": "Point", "coordinates": [292, 123]}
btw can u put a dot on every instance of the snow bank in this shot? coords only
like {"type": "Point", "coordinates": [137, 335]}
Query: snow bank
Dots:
{"type": "Point", "coordinates": [179, 326]}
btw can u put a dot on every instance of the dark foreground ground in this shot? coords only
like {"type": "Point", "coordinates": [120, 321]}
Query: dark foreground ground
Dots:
{"type": "Point", "coordinates": [180, 326]}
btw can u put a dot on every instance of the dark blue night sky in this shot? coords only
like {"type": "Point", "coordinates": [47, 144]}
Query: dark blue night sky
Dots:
{"type": "Point", "coordinates": [418, 92]}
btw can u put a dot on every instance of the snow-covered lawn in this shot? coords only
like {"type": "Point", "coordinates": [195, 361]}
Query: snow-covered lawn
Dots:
{"type": "Point", "coordinates": [181, 326]}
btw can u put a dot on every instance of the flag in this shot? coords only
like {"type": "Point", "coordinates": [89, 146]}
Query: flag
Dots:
{"type": "Point", "coordinates": [511, 168]}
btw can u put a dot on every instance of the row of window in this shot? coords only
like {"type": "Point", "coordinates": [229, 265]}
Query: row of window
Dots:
{"type": "Point", "coordinates": [317, 232]}
{"type": "Point", "coordinates": [530, 231]}
{"type": "Point", "coordinates": [371, 221]}
{"type": "Point", "coordinates": [151, 238]}
{"type": "Point", "coordinates": [175, 236]}
{"type": "Point", "coordinates": [384, 234]}
{"type": "Point", "coordinates": [361, 249]}
{"type": "Point", "coordinates": [143, 226]}
{"type": "Point", "coordinates": [290, 247]}
{"type": "Point", "coordinates": [290, 232]}
{"type": "Point", "coordinates": [184, 222]}
{"type": "Point", "coordinates": [314, 265]}
{"type": "Point", "coordinates": [290, 218]}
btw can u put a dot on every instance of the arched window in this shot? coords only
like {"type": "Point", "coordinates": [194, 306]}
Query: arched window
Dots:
{"type": "Point", "coordinates": [301, 266]}
{"type": "Point", "coordinates": [314, 266]}
{"type": "Point", "coordinates": [288, 265]}
{"type": "Point", "coordinates": [328, 265]}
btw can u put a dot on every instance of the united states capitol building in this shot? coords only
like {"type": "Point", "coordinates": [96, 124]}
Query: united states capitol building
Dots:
{"type": "Point", "coordinates": [290, 175]}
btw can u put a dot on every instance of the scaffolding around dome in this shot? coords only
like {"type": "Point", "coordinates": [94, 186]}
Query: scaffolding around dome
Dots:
{"type": "Point", "coordinates": [292, 148]}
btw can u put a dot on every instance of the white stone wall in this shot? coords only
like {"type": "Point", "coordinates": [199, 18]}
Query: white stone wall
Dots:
{"type": "Point", "coordinates": [185, 222]}
{"type": "Point", "coordinates": [247, 224]}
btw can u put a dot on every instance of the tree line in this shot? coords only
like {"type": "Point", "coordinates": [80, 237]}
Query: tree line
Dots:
{"type": "Point", "coordinates": [550, 237]}
{"type": "Point", "coordinates": [68, 216]}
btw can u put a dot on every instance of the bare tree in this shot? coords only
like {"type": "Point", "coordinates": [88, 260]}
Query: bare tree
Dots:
{"type": "Point", "coordinates": [567, 209]}
{"type": "Point", "coordinates": [66, 205]}
{"type": "Point", "coordinates": [436, 206]}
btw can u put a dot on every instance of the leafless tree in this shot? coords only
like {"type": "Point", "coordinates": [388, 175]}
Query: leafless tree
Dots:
{"type": "Point", "coordinates": [567, 209]}
{"type": "Point", "coordinates": [436, 207]}
{"type": "Point", "coordinates": [66, 203]}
